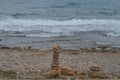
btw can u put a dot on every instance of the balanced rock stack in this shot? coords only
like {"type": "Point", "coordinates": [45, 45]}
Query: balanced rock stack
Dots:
{"type": "Point", "coordinates": [55, 67]}
{"type": "Point", "coordinates": [97, 72]}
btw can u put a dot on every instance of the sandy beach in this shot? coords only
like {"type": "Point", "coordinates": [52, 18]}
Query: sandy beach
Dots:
{"type": "Point", "coordinates": [35, 63]}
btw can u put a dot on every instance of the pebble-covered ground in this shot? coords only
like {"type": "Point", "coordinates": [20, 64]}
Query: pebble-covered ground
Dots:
{"type": "Point", "coordinates": [37, 64]}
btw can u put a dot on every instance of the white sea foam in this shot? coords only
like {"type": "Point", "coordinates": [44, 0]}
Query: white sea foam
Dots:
{"type": "Point", "coordinates": [48, 28]}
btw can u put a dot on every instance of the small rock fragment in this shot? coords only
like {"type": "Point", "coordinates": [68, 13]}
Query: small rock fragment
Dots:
{"type": "Point", "coordinates": [83, 75]}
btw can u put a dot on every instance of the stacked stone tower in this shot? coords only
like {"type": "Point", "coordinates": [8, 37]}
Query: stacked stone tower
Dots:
{"type": "Point", "coordinates": [55, 66]}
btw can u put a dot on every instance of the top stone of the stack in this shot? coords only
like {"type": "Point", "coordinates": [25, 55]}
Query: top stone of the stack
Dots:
{"type": "Point", "coordinates": [56, 48]}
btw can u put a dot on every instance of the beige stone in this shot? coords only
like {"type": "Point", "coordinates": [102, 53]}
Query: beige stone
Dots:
{"type": "Point", "coordinates": [83, 75]}
{"type": "Point", "coordinates": [99, 75]}
{"type": "Point", "coordinates": [96, 72]}
{"type": "Point", "coordinates": [68, 71]}
{"type": "Point", "coordinates": [95, 68]}
{"type": "Point", "coordinates": [55, 56]}
{"type": "Point", "coordinates": [55, 65]}
{"type": "Point", "coordinates": [55, 73]}
{"type": "Point", "coordinates": [56, 49]}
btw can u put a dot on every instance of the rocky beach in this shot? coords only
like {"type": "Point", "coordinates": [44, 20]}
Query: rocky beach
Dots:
{"type": "Point", "coordinates": [29, 63]}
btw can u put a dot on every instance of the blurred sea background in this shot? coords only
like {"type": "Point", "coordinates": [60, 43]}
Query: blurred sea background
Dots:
{"type": "Point", "coordinates": [56, 18]}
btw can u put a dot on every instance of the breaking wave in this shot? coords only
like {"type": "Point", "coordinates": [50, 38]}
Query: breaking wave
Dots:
{"type": "Point", "coordinates": [52, 28]}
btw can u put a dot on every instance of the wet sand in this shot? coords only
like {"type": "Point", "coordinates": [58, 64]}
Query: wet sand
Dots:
{"type": "Point", "coordinates": [83, 40]}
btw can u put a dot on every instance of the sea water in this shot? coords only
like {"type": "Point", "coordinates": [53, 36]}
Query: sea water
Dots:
{"type": "Point", "coordinates": [56, 18]}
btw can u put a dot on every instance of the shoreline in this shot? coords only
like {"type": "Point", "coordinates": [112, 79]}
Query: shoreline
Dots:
{"type": "Point", "coordinates": [88, 40]}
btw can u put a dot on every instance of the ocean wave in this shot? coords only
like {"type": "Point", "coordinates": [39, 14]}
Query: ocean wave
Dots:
{"type": "Point", "coordinates": [18, 15]}
{"type": "Point", "coordinates": [70, 4]}
{"type": "Point", "coordinates": [40, 27]}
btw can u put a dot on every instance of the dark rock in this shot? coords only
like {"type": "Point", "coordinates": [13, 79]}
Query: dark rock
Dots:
{"type": "Point", "coordinates": [103, 47]}
{"type": "Point", "coordinates": [5, 47]}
